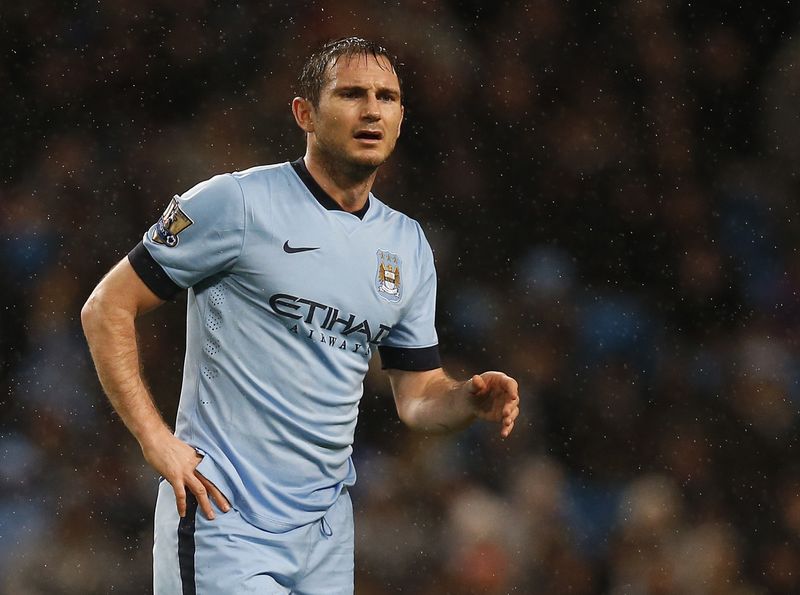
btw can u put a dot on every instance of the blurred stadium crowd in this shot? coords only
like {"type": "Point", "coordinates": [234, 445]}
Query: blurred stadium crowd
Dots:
{"type": "Point", "coordinates": [611, 193]}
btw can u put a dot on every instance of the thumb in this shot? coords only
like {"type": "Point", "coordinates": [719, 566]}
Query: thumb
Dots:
{"type": "Point", "coordinates": [476, 384]}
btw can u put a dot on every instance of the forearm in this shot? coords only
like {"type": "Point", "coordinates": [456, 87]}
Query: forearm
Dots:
{"type": "Point", "coordinates": [108, 319]}
{"type": "Point", "coordinates": [440, 405]}
{"type": "Point", "coordinates": [111, 333]}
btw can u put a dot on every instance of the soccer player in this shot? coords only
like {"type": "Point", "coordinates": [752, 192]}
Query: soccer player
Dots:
{"type": "Point", "coordinates": [295, 273]}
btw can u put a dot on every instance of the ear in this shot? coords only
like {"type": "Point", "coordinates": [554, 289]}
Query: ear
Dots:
{"type": "Point", "coordinates": [303, 113]}
{"type": "Point", "coordinates": [400, 123]}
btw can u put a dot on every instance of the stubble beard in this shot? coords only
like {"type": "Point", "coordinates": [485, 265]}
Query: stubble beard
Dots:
{"type": "Point", "coordinates": [346, 168]}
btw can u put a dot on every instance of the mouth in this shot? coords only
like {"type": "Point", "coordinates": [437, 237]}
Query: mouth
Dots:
{"type": "Point", "coordinates": [369, 136]}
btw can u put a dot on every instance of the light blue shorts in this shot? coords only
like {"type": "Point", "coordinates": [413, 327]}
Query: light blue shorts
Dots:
{"type": "Point", "coordinates": [195, 556]}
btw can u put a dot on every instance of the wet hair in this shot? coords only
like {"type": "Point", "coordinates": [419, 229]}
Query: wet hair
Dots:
{"type": "Point", "coordinates": [315, 72]}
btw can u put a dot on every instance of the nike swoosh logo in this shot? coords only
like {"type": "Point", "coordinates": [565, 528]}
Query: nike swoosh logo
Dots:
{"type": "Point", "coordinates": [289, 250]}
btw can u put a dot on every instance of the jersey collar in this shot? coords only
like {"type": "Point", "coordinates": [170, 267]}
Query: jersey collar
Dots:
{"type": "Point", "coordinates": [322, 197]}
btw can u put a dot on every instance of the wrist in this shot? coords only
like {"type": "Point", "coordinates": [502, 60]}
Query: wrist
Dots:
{"type": "Point", "coordinates": [152, 436]}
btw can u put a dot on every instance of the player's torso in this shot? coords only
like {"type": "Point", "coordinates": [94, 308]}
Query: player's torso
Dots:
{"type": "Point", "coordinates": [329, 278]}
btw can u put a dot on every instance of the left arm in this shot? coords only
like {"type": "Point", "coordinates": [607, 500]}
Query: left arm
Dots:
{"type": "Point", "coordinates": [431, 401]}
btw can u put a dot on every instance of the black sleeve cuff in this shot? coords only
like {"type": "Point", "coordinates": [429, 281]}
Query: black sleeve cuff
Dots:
{"type": "Point", "coordinates": [152, 274]}
{"type": "Point", "coordinates": [412, 359]}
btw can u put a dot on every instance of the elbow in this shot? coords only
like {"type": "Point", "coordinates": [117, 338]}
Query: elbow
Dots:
{"type": "Point", "coordinates": [405, 416]}
{"type": "Point", "coordinates": [89, 314]}
{"type": "Point", "coordinates": [405, 410]}
{"type": "Point", "coordinates": [93, 313]}
{"type": "Point", "coordinates": [410, 413]}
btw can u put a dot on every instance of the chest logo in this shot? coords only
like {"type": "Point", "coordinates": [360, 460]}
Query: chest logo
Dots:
{"type": "Point", "coordinates": [387, 277]}
{"type": "Point", "coordinates": [292, 250]}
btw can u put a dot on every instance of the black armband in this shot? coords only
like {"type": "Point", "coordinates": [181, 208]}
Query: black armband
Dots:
{"type": "Point", "coordinates": [412, 359]}
{"type": "Point", "coordinates": [152, 274]}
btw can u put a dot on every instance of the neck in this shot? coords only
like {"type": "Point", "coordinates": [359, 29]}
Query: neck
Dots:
{"type": "Point", "coordinates": [348, 185]}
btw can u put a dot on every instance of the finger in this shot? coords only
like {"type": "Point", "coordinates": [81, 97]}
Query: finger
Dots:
{"type": "Point", "coordinates": [506, 431]}
{"type": "Point", "coordinates": [216, 495]}
{"type": "Point", "coordinates": [219, 498]}
{"type": "Point", "coordinates": [511, 410]}
{"type": "Point", "coordinates": [180, 498]}
{"type": "Point", "coordinates": [199, 491]}
{"type": "Point", "coordinates": [511, 387]}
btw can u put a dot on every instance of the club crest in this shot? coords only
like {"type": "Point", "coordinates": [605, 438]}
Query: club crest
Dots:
{"type": "Point", "coordinates": [171, 223]}
{"type": "Point", "coordinates": [387, 278]}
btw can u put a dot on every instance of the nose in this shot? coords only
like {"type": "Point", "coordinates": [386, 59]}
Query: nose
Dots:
{"type": "Point", "coordinates": [371, 110]}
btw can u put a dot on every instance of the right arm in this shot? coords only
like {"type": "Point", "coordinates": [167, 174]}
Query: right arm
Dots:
{"type": "Point", "coordinates": [108, 319]}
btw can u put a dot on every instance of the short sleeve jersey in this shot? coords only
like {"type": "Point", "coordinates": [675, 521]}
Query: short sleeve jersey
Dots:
{"type": "Point", "coordinates": [288, 297]}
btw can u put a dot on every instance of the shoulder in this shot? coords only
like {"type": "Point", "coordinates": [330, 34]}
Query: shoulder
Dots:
{"type": "Point", "coordinates": [397, 219]}
{"type": "Point", "coordinates": [405, 229]}
{"type": "Point", "coordinates": [216, 192]}
{"type": "Point", "coordinates": [262, 184]}
{"type": "Point", "coordinates": [230, 181]}
{"type": "Point", "coordinates": [262, 174]}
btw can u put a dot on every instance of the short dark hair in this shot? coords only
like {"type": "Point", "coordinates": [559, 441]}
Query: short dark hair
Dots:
{"type": "Point", "coordinates": [314, 74]}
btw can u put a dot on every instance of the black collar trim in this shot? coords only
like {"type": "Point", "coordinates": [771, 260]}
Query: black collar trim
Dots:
{"type": "Point", "coordinates": [322, 197]}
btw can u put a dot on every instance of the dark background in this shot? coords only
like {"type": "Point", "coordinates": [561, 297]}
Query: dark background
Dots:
{"type": "Point", "coordinates": [611, 193]}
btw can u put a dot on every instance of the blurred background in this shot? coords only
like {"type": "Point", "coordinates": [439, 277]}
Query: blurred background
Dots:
{"type": "Point", "coordinates": [611, 193]}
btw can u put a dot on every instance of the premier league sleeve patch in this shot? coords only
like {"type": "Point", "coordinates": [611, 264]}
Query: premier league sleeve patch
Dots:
{"type": "Point", "coordinates": [387, 277]}
{"type": "Point", "coordinates": [171, 223]}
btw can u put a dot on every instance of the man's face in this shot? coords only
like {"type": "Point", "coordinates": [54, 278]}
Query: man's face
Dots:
{"type": "Point", "coordinates": [358, 118]}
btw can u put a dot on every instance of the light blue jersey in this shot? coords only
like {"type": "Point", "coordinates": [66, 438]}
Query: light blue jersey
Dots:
{"type": "Point", "coordinates": [289, 296]}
